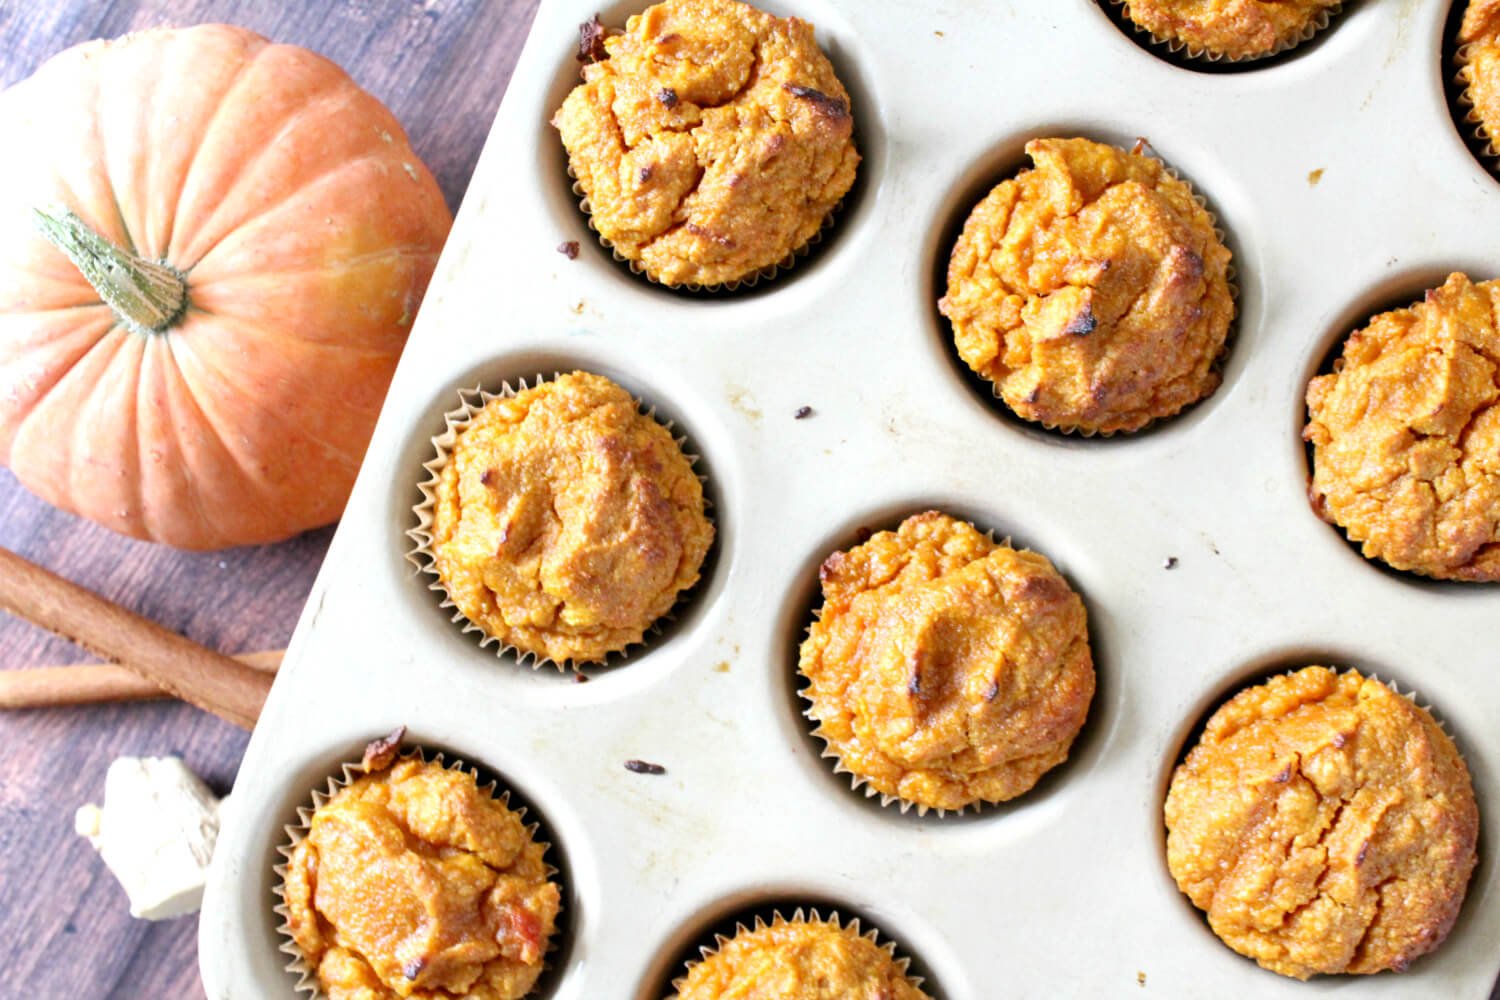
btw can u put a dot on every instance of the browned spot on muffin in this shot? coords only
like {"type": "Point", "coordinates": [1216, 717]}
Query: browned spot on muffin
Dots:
{"type": "Point", "coordinates": [379, 753]}
{"type": "Point", "coordinates": [591, 36]}
{"type": "Point", "coordinates": [833, 107]}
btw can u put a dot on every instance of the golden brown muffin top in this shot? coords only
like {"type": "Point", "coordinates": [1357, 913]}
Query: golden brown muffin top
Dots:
{"type": "Point", "coordinates": [1233, 29]}
{"type": "Point", "coordinates": [944, 668]}
{"type": "Point", "coordinates": [1406, 435]}
{"type": "Point", "coordinates": [1091, 289]}
{"type": "Point", "coordinates": [799, 960]}
{"type": "Point", "coordinates": [566, 521]}
{"type": "Point", "coordinates": [412, 881]}
{"type": "Point", "coordinates": [1479, 37]}
{"type": "Point", "coordinates": [712, 141]}
{"type": "Point", "coordinates": [1325, 824]}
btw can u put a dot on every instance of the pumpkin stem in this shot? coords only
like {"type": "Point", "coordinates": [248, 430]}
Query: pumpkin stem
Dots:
{"type": "Point", "coordinates": [148, 296]}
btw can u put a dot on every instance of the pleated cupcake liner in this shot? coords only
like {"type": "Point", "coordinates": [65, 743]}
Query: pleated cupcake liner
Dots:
{"type": "Point", "coordinates": [297, 963]}
{"type": "Point", "coordinates": [421, 555]}
{"type": "Point", "coordinates": [764, 274]}
{"type": "Point", "coordinates": [759, 922]}
{"type": "Point", "coordinates": [1180, 53]}
{"type": "Point", "coordinates": [1466, 112]}
{"type": "Point", "coordinates": [1220, 360]}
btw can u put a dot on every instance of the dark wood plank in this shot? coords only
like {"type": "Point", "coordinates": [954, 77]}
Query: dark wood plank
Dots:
{"type": "Point", "coordinates": [64, 928]}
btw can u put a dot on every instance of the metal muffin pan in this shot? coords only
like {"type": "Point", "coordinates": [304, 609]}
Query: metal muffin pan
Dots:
{"type": "Point", "coordinates": [1065, 891]}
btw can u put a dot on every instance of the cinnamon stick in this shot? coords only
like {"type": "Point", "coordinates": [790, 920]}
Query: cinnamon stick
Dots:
{"type": "Point", "coordinates": [95, 683]}
{"type": "Point", "coordinates": [210, 680]}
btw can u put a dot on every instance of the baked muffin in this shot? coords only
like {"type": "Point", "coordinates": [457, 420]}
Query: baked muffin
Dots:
{"type": "Point", "coordinates": [945, 669]}
{"type": "Point", "coordinates": [799, 959]}
{"type": "Point", "coordinates": [1231, 29]}
{"type": "Point", "coordinates": [1091, 289]}
{"type": "Point", "coordinates": [1479, 49]}
{"type": "Point", "coordinates": [413, 881]}
{"type": "Point", "coordinates": [1325, 824]}
{"type": "Point", "coordinates": [566, 522]}
{"type": "Point", "coordinates": [712, 139]}
{"type": "Point", "coordinates": [1406, 435]}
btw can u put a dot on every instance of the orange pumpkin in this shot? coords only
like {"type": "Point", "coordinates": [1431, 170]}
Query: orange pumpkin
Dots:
{"type": "Point", "coordinates": [211, 249]}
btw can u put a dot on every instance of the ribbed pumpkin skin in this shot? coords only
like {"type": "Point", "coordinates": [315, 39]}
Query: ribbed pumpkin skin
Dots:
{"type": "Point", "coordinates": [307, 229]}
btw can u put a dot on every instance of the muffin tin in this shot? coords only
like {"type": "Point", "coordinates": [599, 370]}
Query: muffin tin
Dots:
{"type": "Point", "coordinates": [1344, 186]}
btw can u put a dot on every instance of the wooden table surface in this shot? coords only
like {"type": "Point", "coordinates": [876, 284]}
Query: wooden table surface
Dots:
{"type": "Point", "coordinates": [65, 930]}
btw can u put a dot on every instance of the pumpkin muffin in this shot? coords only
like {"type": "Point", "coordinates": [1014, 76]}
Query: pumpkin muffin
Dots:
{"type": "Point", "coordinates": [1406, 435]}
{"type": "Point", "coordinates": [1479, 50]}
{"type": "Point", "coordinates": [799, 959]}
{"type": "Point", "coordinates": [1231, 29]}
{"type": "Point", "coordinates": [413, 881]}
{"type": "Point", "coordinates": [712, 139]}
{"type": "Point", "coordinates": [1325, 824]}
{"type": "Point", "coordinates": [566, 522]}
{"type": "Point", "coordinates": [1091, 289]}
{"type": "Point", "coordinates": [945, 669]}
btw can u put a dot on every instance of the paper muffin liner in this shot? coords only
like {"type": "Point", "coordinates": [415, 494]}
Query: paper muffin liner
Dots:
{"type": "Point", "coordinates": [1231, 272]}
{"type": "Point", "coordinates": [861, 783]}
{"type": "Point", "coordinates": [422, 556]}
{"type": "Point", "coordinates": [1466, 112]}
{"type": "Point", "coordinates": [1178, 52]}
{"type": "Point", "coordinates": [297, 963]}
{"type": "Point", "coordinates": [799, 915]}
{"type": "Point", "coordinates": [765, 274]}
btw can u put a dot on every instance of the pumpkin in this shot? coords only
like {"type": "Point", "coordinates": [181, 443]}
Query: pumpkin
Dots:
{"type": "Point", "coordinates": [211, 249]}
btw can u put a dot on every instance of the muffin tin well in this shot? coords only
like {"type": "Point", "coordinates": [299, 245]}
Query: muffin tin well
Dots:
{"type": "Point", "coordinates": [804, 596]}
{"type": "Point", "coordinates": [1342, 182]}
{"type": "Point", "coordinates": [1006, 158]}
{"type": "Point", "coordinates": [559, 949]}
{"type": "Point", "coordinates": [1177, 54]}
{"type": "Point", "coordinates": [844, 50]}
{"type": "Point", "coordinates": [1399, 288]}
{"type": "Point", "coordinates": [468, 403]}
{"type": "Point", "coordinates": [1260, 670]}
{"type": "Point", "coordinates": [761, 906]}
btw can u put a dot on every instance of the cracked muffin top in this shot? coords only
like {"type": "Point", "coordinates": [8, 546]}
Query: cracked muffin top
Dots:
{"type": "Point", "coordinates": [946, 669]}
{"type": "Point", "coordinates": [1479, 39]}
{"type": "Point", "coordinates": [1091, 290]}
{"type": "Point", "coordinates": [566, 521]}
{"type": "Point", "coordinates": [1232, 29]}
{"type": "Point", "coordinates": [799, 960]}
{"type": "Point", "coordinates": [1406, 435]}
{"type": "Point", "coordinates": [711, 139]}
{"type": "Point", "coordinates": [412, 881]}
{"type": "Point", "coordinates": [1325, 824]}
